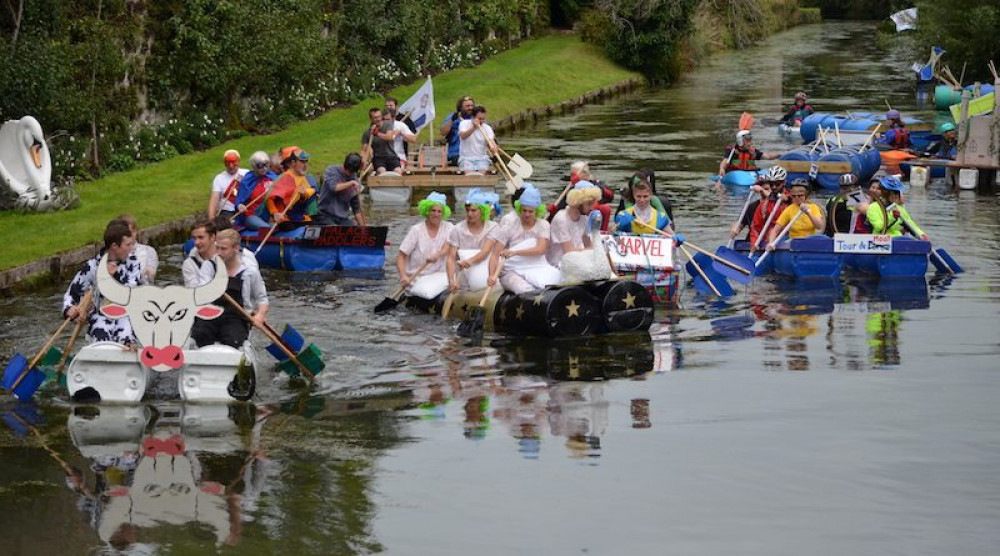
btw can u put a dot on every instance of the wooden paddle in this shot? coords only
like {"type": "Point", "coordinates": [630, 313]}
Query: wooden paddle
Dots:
{"type": "Point", "coordinates": [23, 373]}
{"type": "Point", "coordinates": [271, 336]}
{"type": "Point", "coordinates": [393, 300]}
{"type": "Point", "coordinates": [291, 203]}
{"type": "Point", "coordinates": [81, 320]}
{"type": "Point", "coordinates": [778, 238]}
{"type": "Point", "coordinates": [472, 325]}
{"type": "Point", "coordinates": [701, 271]}
{"type": "Point", "coordinates": [450, 300]}
{"type": "Point", "coordinates": [739, 219]}
{"type": "Point", "coordinates": [248, 205]}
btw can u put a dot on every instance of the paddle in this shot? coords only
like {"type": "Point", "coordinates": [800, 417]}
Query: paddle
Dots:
{"type": "Point", "coordinates": [288, 207]}
{"type": "Point", "coordinates": [271, 336]}
{"type": "Point", "coordinates": [393, 300]}
{"type": "Point", "coordinates": [22, 378]}
{"type": "Point", "coordinates": [511, 184]}
{"type": "Point", "coordinates": [778, 239]}
{"type": "Point", "coordinates": [940, 258]}
{"type": "Point", "coordinates": [84, 308]}
{"type": "Point", "coordinates": [472, 325]}
{"type": "Point", "coordinates": [450, 300]}
{"type": "Point", "coordinates": [739, 219]}
{"type": "Point", "coordinates": [521, 167]}
{"type": "Point", "coordinates": [767, 224]}
{"type": "Point", "coordinates": [712, 287]}
{"type": "Point", "coordinates": [247, 206]}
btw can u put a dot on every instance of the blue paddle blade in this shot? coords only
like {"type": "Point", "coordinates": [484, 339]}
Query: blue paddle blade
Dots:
{"type": "Point", "coordinates": [718, 280]}
{"type": "Point", "coordinates": [17, 366]}
{"type": "Point", "coordinates": [700, 285]}
{"type": "Point", "coordinates": [947, 258]}
{"type": "Point", "coordinates": [737, 258]}
{"type": "Point", "coordinates": [29, 384]}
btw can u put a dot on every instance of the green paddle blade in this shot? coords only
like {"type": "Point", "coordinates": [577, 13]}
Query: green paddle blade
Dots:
{"type": "Point", "coordinates": [51, 357]}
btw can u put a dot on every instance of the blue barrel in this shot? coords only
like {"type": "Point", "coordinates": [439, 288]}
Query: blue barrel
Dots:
{"type": "Point", "coordinates": [810, 125]}
{"type": "Point", "coordinates": [799, 154]}
{"type": "Point", "coordinates": [831, 180]}
{"type": "Point", "coordinates": [810, 258]}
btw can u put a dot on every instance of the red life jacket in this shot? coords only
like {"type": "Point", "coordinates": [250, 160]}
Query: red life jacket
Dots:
{"type": "Point", "coordinates": [742, 159]}
{"type": "Point", "coordinates": [760, 217]}
{"type": "Point", "coordinates": [901, 139]}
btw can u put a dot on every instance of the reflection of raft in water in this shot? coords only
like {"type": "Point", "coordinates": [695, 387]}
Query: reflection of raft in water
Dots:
{"type": "Point", "coordinates": [592, 308]}
{"type": "Point", "coordinates": [619, 356]}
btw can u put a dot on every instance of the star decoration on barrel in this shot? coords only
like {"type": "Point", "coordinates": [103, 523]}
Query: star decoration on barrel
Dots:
{"type": "Point", "coordinates": [629, 301]}
{"type": "Point", "coordinates": [538, 299]}
{"type": "Point", "coordinates": [573, 309]}
{"type": "Point", "coordinates": [519, 312]}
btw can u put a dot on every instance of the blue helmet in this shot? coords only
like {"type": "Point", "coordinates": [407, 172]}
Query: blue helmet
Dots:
{"type": "Point", "coordinates": [891, 183]}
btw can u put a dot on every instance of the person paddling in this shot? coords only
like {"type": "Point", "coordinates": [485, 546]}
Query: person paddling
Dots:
{"type": "Point", "coordinates": [842, 217]}
{"type": "Point", "coordinates": [642, 218]}
{"type": "Point", "coordinates": [897, 136]}
{"type": "Point", "coordinates": [256, 184]}
{"type": "Point", "coordinates": [568, 230]}
{"type": "Point", "coordinates": [470, 235]}
{"type": "Point", "coordinates": [888, 216]}
{"type": "Point", "coordinates": [798, 111]}
{"type": "Point", "coordinates": [512, 239]}
{"type": "Point", "coordinates": [947, 147]}
{"type": "Point", "coordinates": [761, 214]}
{"type": "Point", "coordinates": [743, 155]}
{"type": "Point", "coordinates": [290, 198]}
{"type": "Point", "coordinates": [425, 242]}
{"type": "Point", "coordinates": [813, 223]}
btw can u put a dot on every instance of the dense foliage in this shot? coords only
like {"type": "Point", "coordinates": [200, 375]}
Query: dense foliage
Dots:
{"type": "Point", "coordinates": [120, 82]}
{"type": "Point", "coordinates": [967, 29]}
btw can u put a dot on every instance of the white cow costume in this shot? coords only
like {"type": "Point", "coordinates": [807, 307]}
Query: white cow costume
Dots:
{"type": "Point", "coordinates": [102, 328]}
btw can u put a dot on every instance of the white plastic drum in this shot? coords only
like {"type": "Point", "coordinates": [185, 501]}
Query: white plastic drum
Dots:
{"type": "Point", "coordinates": [207, 372]}
{"type": "Point", "coordinates": [110, 369]}
{"type": "Point", "coordinates": [109, 430]}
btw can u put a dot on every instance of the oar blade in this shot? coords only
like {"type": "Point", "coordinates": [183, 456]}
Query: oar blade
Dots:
{"type": "Point", "coordinates": [472, 325]}
{"type": "Point", "coordinates": [17, 366]}
{"type": "Point", "coordinates": [19, 380]}
{"type": "Point", "coordinates": [717, 278]}
{"type": "Point", "coordinates": [703, 287]}
{"type": "Point", "coordinates": [386, 304]}
{"type": "Point", "coordinates": [949, 260]}
{"type": "Point", "coordinates": [738, 259]}
{"type": "Point", "coordinates": [520, 167]}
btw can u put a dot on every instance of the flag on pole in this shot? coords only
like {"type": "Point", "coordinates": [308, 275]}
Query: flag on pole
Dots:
{"type": "Point", "coordinates": [420, 107]}
{"type": "Point", "coordinates": [905, 19]}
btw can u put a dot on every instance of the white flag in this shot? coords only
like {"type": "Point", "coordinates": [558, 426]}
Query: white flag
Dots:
{"type": "Point", "coordinates": [905, 19]}
{"type": "Point", "coordinates": [420, 107]}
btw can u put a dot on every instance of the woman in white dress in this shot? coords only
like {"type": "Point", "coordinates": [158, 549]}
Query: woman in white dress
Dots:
{"type": "Point", "coordinates": [523, 243]}
{"type": "Point", "coordinates": [426, 242]}
{"type": "Point", "coordinates": [470, 248]}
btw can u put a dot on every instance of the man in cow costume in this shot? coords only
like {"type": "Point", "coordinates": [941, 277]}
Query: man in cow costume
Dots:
{"type": "Point", "coordinates": [124, 267]}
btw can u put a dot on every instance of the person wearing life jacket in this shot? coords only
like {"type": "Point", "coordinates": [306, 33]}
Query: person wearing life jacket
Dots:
{"type": "Point", "coordinates": [798, 111]}
{"type": "Point", "coordinates": [226, 185]}
{"type": "Point", "coordinates": [842, 215]}
{"type": "Point", "coordinates": [814, 222]}
{"type": "Point", "coordinates": [896, 136]}
{"type": "Point", "coordinates": [660, 202]}
{"type": "Point", "coordinates": [253, 188]}
{"type": "Point", "coordinates": [947, 147]}
{"type": "Point", "coordinates": [743, 155]}
{"type": "Point", "coordinates": [642, 218]}
{"type": "Point", "coordinates": [246, 286]}
{"type": "Point", "coordinates": [888, 216]}
{"type": "Point", "coordinates": [291, 198]}
{"type": "Point", "coordinates": [761, 214]}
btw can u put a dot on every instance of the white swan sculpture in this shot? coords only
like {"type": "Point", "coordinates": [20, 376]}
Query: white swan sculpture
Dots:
{"type": "Point", "coordinates": [590, 264]}
{"type": "Point", "coordinates": [26, 167]}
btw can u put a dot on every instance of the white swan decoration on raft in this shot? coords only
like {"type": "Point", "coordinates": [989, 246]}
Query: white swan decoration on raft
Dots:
{"type": "Point", "coordinates": [589, 264]}
{"type": "Point", "coordinates": [26, 169]}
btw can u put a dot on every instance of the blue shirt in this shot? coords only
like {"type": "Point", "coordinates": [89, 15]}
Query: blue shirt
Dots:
{"type": "Point", "coordinates": [453, 138]}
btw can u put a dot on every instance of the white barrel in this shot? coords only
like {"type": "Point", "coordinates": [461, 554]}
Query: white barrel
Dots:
{"type": "Point", "coordinates": [967, 178]}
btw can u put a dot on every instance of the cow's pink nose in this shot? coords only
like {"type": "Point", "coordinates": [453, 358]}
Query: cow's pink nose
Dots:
{"type": "Point", "coordinates": [171, 356]}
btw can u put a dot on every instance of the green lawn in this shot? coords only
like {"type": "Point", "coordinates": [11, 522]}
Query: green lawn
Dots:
{"type": "Point", "coordinates": [537, 73]}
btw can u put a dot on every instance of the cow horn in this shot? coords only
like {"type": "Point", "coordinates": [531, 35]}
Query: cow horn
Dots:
{"type": "Point", "coordinates": [213, 290]}
{"type": "Point", "coordinates": [110, 288]}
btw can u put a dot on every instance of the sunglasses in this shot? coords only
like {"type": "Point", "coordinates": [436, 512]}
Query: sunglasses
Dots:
{"type": "Point", "coordinates": [260, 165]}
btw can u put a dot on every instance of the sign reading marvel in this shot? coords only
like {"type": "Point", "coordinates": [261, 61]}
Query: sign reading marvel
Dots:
{"type": "Point", "coordinates": [629, 252]}
{"type": "Point", "coordinates": [862, 243]}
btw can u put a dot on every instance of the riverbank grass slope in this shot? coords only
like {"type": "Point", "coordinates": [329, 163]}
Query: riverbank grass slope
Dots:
{"type": "Point", "coordinates": [535, 74]}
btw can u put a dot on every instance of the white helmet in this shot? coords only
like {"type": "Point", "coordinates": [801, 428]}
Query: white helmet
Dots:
{"type": "Point", "coordinates": [776, 174]}
{"type": "Point", "coordinates": [742, 137]}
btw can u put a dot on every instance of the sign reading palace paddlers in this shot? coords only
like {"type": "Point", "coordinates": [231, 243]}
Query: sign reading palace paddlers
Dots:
{"type": "Point", "coordinates": [630, 252]}
{"type": "Point", "coordinates": [862, 243]}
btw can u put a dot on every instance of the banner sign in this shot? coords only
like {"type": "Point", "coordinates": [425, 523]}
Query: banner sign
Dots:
{"type": "Point", "coordinates": [632, 252]}
{"type": "Point", "coordinates": [862, 244]}
{"type": "Point", "coordinates": [346, 236]}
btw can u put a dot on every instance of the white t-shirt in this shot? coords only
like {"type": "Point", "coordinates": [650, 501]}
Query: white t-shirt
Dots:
{"type": "Point", "coordinates": [221, 184]}
{"type": "Point", "coordinates": [463, 238]}
{"type": "Point", "coordinates": [419, 245]}
{"type": "Point", "coordinates": [397, 144]}
{"type": "Point", "coordinates": [564, 229]}
{"type": "Point", "coordinates": [474, 146]}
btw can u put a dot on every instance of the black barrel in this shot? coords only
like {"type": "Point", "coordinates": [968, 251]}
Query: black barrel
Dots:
{"type": "Point", "coordinates": [551, 313]}
{"type": "Point", "coordinates": [604, 358]}
{"type": "Point", "coordinates": [626, 306]}
{"type": "Point", "coordinates": [421, 305]}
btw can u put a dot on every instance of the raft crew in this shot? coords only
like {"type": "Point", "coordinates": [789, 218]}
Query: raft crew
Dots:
{"type": "Point", "coordinates": [798, 112]}
{"type": "Point", "coordinates": [888, 216]}
{"type": "Point", "coordinates": [401, 131]}
{"type": "Point", "coordinates": [568, 229]}
{"type": "Point", "coordinates": [449, 130]}
{"type": "Point", "coordinates": [813, 223]}
{"type": "Point", "coordinates": [642, 217]}
{"type": "Point", "coordinates": [256, 184]}
{"type": "Point", "coordinates": [743, 155]}
{"type": "Point", "coordinates": [478, 143]}
{"type": "Point", "coordinates": [426, 242]}
{"type": "Point", "coordinates": [523, 243]}
{"type": "Point", "coordinates": [580, 171]}
{"type": "Point", "coordinates": [469, 243]}
{"type": "Point", "coordinates": [291, 198]}
{"type": "Point", "coordinates": [947, 147]}
{"type": "Point", "coordinates": [226, 186]}
{"type": "Point", "coordinates": [381, 137]}
{"type": "Point", "coordinates": [124, 266]}
{"type": "Point", "coordinates": [758, 210]}
{"type": "Point", "coordinates": [246, 286]}
{"type": "Point", "coordinates": [340, 196]}
{"type": "Point", "coordinates": [896, 136]}
{"type": "Point", "coordinates": [149, 261]}
{"type": "Point", "coordinates": [842, 217]}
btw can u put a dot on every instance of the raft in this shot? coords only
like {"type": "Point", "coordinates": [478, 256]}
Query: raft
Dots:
{"type": "Point", "coordinates": [824, 258]}
{"type": "Point", "coordinates": [921, 133]}
{"type": "Point", "coordinates": [825, 168]}
{"type": "Point", "coordinates": [397, 188]}
{"type": "Point", "coordinates": [557, 311]}
{"type": "Point", "coordinates": [114, 374]}
{"type": "Point", "coordinates": [945, 96]}
{"type": "Point", "coordinates": [320, 248]}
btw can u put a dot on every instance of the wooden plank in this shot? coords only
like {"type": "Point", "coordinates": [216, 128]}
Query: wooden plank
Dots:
{"type": "Point", "coordinates": [804, 166]}
{"type": "Point", "coordinates": [436, 180]}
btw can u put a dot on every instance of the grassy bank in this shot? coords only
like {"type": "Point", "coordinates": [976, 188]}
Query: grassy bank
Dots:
{"type": "Point", "coordinates": [537, 73]}
{"type": "Point", "coordinates": [732, 24]}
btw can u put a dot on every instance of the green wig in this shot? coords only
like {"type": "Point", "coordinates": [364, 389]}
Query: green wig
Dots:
{"type": "Point", "coordinates": [540, 210]}
{"type": "Point", "coordinates": [424, 207]}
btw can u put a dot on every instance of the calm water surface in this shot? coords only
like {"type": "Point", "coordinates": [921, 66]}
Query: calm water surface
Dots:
{"type": "Point", "coordinates": [854, 419]}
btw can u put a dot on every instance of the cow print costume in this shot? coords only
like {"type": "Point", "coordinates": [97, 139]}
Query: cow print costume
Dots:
{"type": "Point", "coordinates": [101, 328]}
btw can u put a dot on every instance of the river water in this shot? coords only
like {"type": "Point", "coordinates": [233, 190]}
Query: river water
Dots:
{"type": "Point", "coordinates": [860, 418]}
